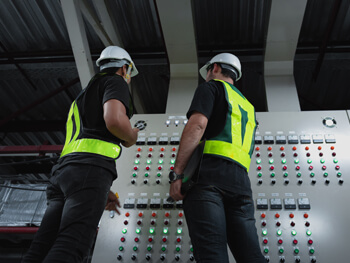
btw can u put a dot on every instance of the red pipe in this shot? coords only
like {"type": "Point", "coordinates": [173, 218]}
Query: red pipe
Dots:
{"type": "Point", "coordinates": [18, 230]}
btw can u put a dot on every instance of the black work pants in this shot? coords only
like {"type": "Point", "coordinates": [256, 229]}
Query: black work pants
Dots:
{"type": "Point", "coordinates": [76, 198]}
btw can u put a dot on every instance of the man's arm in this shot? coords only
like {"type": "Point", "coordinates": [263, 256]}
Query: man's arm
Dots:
{"type": "Point", "coordinates": [118, 123]}
{"type": "Point", "coordinates": [190, 138]}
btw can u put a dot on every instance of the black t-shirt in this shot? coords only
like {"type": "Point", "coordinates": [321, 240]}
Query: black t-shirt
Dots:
{"type": "Point", "coordinates": [209, 99]}
{"type": "Point", "coordinates": [90, 106]}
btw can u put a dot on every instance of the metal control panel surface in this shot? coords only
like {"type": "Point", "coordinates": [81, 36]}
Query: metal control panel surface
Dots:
{"type": "Point", "coordinates": [299, 180]}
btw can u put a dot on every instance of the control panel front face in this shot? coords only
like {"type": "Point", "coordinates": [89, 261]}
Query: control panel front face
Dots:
{"type": "Point", "coordinates": [298, 177]}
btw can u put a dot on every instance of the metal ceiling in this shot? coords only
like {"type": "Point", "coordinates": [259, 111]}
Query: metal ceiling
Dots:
{"type": "Point", "coordinates": [38, 73]}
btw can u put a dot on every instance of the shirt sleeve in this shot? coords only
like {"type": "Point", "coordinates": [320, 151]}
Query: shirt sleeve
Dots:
{"type": "Point", "coordinates": [116, 88]}
{"type": "Point", "coordinates": [203, 100]}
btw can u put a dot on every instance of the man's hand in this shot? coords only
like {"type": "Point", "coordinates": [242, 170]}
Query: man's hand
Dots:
{"type": "Point", "coordinates": [112, 202]}
{"type": "Point", "coordinates": [175, 190]}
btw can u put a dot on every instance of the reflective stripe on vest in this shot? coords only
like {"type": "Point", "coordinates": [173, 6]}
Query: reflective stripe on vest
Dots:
{"type": "Point", "coordinates": [235, 141]}
{"type": "Point", "coordinates": [95, 146]}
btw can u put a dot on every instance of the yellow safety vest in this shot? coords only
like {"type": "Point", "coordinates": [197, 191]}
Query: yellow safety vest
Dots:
{"type": "Point", "coordinates": [236, 141]}
{"type": "Point", "coordinates": [85, 145]}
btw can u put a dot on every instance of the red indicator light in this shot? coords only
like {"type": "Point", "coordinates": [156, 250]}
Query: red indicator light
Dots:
{"type": "Point", "coordinates": [178, 240]}
{"type": "Point", "coordinates": [127, 214]}
{"type": "Point", "coordinates": [297, 168]}
{"type": "Point", "coordinates": [154, 214]}
{"type": "Point", "coordinates": [162, 149]}
{"type": "Point", "coordinates": [166, 222]}
{"type": "Point", "coordinates": [263, 223]}
{"type": "Point", "coordinates": [263, 215]}
{"type": "Point", "coordinates": [136, 239]}
{"type": "Point", "coordinates": [324, 167]}
{"type": "Point", "coordinates": [311, 167]}
{"type": "Point", "coordinates": [122, 239]}
{"type": "Point", "coordinates": [306, 215]}
{"type": "Point", "coordinates": [307, 223]}
{"type": "Point", "coordinates": [139, 222]}
{"type": "Point", "coordinates": [164, 239]}
{"type": "Point", "coordinates": [295, 154]}
{"type": "Point", "coordinates": [282, 148]}
{"type": "Point", "coordinates": [140, 214]}
{"type": "Point", "coordinates": [334, 154]}
{"type": "Point", "coordinates": [126, 222]}
{"type": "Point", "coordinates": [257, 149]}
{"type": "Point", "coordinates": [150, 239]}
{"type": "Point", "coordinates": [167, 214]}
{"type": "Point", "coordinates": [159, 168]}
{"type": "Point", "coordinates": [171, 167]}
{"type": "Point", "coordinates": [161, 155]}
{"type": "Point", "coordinates": [153, 222]}
{"type": "Point", "coordinates": [270, 154]}
{"type": "Point", "coordinates": [259, 167]}
{"type": "Point", "coordinates": [173, 149]}
{"type": "Point", "coordinates": [319, 148]}
{"type": "Point", "coordinates": [138, 155]}
{"type": "Point", "coordinates": [257, 154]}
{"type": "Point", "coordinates": [284, 167]}
{"type": "Point", "coordinates": [283, 154]}
{"type": "Point", "coordinates": [181, 214]}
{"type": "Point", "coordinates": [310, 241]}
{"type": "Point", "coordinates": [149, 155]}
{"type": "Point", "coordinates": [272, 167]}
{"type": "Point", "coordinates": [308, 154]}
{"type": "Point", "coordinates": [135, 168]}
{"type": "Point", "coordinates": [280, 241]}
{"type": "Point", "coordinates": [139, 149]}
{"type": "Point", "coordinates": [295, 241]}
{"type": "Point", "coordinates": [179, 222]}
{"type": "Point", "coordinates": [332, 148]}
{"type": "Point", "coordinates": [292, 223]}
{"type": "Point", "coordinates": [337, 167]}
{"type": "Point", "coordinates": [148, 168]}
{"type": "Point", "coordinates": [277, 215]}
{"type": "Point", "coordinates": [307, 148]}
{"type": "Point", "coordinates": [269, 148]}
{"type": "Point", "coordinates": [291, 215]}
{"type": "Point", "coordinates": [294, 148]}
{"type": "Point", "coordinates": [150, 149]}
{"type": "Point", "coordinates": [173, 155]}
{"type": "Point", "coordinates": [278, 223]}
{"type": "Point", "coordinates": [320, 154]}
{"type": "Point", "coordinates": [265, 241]}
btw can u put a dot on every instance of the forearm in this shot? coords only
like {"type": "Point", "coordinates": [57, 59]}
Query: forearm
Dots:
{"type": "Point", "coordinates": [190, 138]}
{"type": "Point", "coordinates": [122, 129]}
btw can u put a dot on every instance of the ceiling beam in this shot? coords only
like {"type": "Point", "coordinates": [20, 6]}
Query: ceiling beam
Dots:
{"type": "Point", "coordinates": [78, 39]}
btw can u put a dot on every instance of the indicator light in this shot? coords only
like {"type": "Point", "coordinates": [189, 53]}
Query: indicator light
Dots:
{"type": "Point", "coordinates": [279, 232]}
{"type": "Point", "coordinates": [174, 149]}
{"type": "Point", "coordinates": [310, 241]}
{"type": "Point", "coordinates": [278, 223]}
{"type": "Point", "coordinates": [312, 174]}
{"type": "Point", "coordinates": [121, 248]}
{"type": "Point", "coordinates": [295, 241]}
{"type": "Point", "coordinates": [124, 230]}
{"type": "Point", "coordinates": [339, 174]}
{"type": "Point", "coordinates": [161, 155]}
{"type": "Point", "coordinates": [138, 230]}
{"type": "Point", "coordinates": [269, 148]}
{"type": "Point", "coordinates": [298, 174]}
{"type": "Point", "coordinates": [257, 148]}
{"type": "Point", "coordinates": [165, 230]}
{"type": "Point", "coordinates": [307, 223]}
{"type": "Point", "coordinates": [334, 154]}
{"type": "Point", "coordinates": [292, 223]}
{"type": "Point", "coordinates": [134, 248]}
{"type": "Point", "coordinates": [281, 250]}
{"type": "Point", "coordinates": [277, 215]}
{"type": "Point", "coordinates": [295, 154]}
{"type": "Point", "coordinates": [263, 215]}
{"type": "Point", "coordinates": [266, 250]}
{"type": "Point", "coordinates": [172, 167]}
{"type": "Point", "coordinates": [172, 161]}
{"type": "Point", "coordinates": [272, 174]}
{"type": "Point", "coordinates": [270, 161]}
{"type": "Point", "coordinates": [122, 239]}
{"type": "Point", "coordinates": [162, 149]}
{"type": "Point", "coordinates": [166, 222]}
{"type": "Point", "coordinates": [283, 154]}
{"type": "Point", "coordinates": [163, 248]}
{"type": "Point", "coordinates": [306, 215]}
{"type": "Point", "coordinates": [263, 223]}
{"type": "Point", "coordinates": [309, 161]}
{"type": "Point", "coordinates": [139, 149]}
{"type": "Point", "coordinates": [136, 239]}
{"type": "Point", "coordinates": [312, 251]}
{"type": "Point", "coordinates": [325, 174]}
{"type": "Point", "coordinates": [264, 232]}
{"type": "Point", "coordinates": [149, 155]}
{"type": "Point", "coordinates": [179, 230]}
{"type": "Point", "coordinates": [181, 214]}
{"type": "Point", "coordinates": [270, 155]}
{"type": "Point", "coordinates": [146, 174]}
{"type": "Point", "coordinates": [127, 214]}
{"type": "Point", "coordinates": [179, 222]}
{"type": "Point", "coordinates": [178, 249]}
{"type": "Point", "coordinates": [259, 174]}
{"type": "Point", "coordinates": [191, 249]}
{"type": "Point", "coordinates": [149, 248]}
{"type": "Point", "coordinates": [285, 174]}
{"type": "Point", "coordinates": [173, 155]}
{"type": "Point", "coordinates": [311, 167]}
{"type": "Point", "coordinates": [135, 168]}
{"type": "Point", "coordinates": [335, 161]}
{"type": "Point", "coordinates": [272, 167]}
{"type": "Point", "coordinates": [138, 155]}
{"type": "Point", "coordinates": [137, 161]}
{"type": "Point", "coordinates": [307, 148]}
{"type": "Point", "coordinates": [294, 148]}
{"type": "Point", "coordinates": [149, 161]}
{"type": "Point", "coordinates": [281, 148]}
{"type": "Point", "coordinates": [150, 239]}
{"type": "Point", "coordinates": [178, 240]}
{"type": "Point", "coordinates": [324, 167]}
{"type": "Point", "coordinates": [150, 149]}
{"type": "Point", "coordinates": [259, 168]}
{"type": "Point", "coordinates": [134, 174]}
{"type": "Point", "coordinates": [159, 174]}
{"type": "Point", "coordinates": [296, 251]}
{"type": "Point", "coordinates": [126, 222]}
{"type": "Point", "coordinates": [164, 239]}
{"type": "Point", "coordinates": [153, 222]}
{"type": "Point", "coordinates": [296, 161]}
{"type": "Point", "coordinates": [280, 241]}
{"type": "Point", "coordinates": [160, 161]}
{"type": "Point", "coordinates": [337, 167]}
{"type": "Point", "coordinates": [308, 232]}
{"type": "Point", "coordinates": [283, 161]}
{"type": "Point", "coordinates": [294, 233]}
{"type": "Point", "coordinates": [319, 148]}
{"type": "Point", "coordinates": [159, 168]}
{"type": "Point", "coordinates": [265, 241]}
{"type": "Point", "coordinates": [151, 230]}
{"type": "Point", "coordinates": [258, 161]}
{"type": "Point", "coordinates": [291, 215]}
{"type": "Point", "coordinates": [257, 154]}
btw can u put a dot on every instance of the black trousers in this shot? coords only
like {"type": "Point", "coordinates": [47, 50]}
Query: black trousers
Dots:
{"type": "Point", "coordinates": [76, 198]}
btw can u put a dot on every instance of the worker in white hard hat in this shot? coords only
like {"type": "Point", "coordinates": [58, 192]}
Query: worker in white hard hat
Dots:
{"type": "Point", "coordinates": [219, 208]}
{"type": "Point", "coordinates": [98, 125]}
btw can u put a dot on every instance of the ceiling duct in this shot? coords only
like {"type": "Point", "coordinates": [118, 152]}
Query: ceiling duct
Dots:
{"type": "Point", "coordinates": [179, 37]}
{"type": "Point", "coordinates": [282, 38]}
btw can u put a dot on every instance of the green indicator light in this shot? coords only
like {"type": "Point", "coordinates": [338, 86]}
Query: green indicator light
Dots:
{"type": "Point", "coordinates": [121, 248]}
{"type": "Point", "coordinates": [325, 174]}
{"type": "Point", "coordinates": [272, 174]}
{"type": "Point", "coordinates": [138, 230]}
{"type": "Point", "coordinates": [296, 251]}
{"type": "Point", "coordinates": [259, 174]}
{"type": "Point", "coordinates": [160, 161]}
{"type": "Point", "coordinates": [258, 161]}
{"type": "Point", "coordinates": [309, 161]}
{"type": "Point", "coordinates": [298, 174]}
{"type": "Point", "coordinates": [312, 174]}
{"type": "Point", "coordinates": [134, 174]}
{"type": "Point", "coordinates": [134, 248]}
{"type": "Point", "coordinates": [191, 249]}
{"type": "Point", "coordinates": [308, 232]}
{"type": "Point", "coordinates": [294, 233]}
{"type": "Point", "coordinates": [264, 232]}
{"type": "Point", "coordinates": [137, 161]}
{"type": "Point", "coordinates": [322, 161]}
{"type": "Point", "coordinates": [271, 161]}
{"type": "Point", "coordinates": [163, 249]}
{"type": "Point", "coordinates": [179, 230]}
{"type": "Point", "coordinates": [165, 230]}
{"type": "Point", "coordinates": [146, 174]}
{"type": "Point", "coordinates": [159, 174]}
{"type": "Point", "coordinates": [172, 161]}
{"type": "Point", "coordinates": [284, 161]}
{"type": "Point", "coordinates": [281, 250]}
{"type": "Point", "coordinates": [339, 174]}
{"type": "Point", "coordinates": [279, 232]}
{"type": "Point", "coordinates": [312, 251]}
{"type": "Point", "coordinates": [149, 161]}
{"type": "Point", "coordinates": [335, 161]}
{"type": "Point", "coordinates": [149, 248]}
{"type": "Point", "coordinates": [266, 250]}
{"type": "Point", "coordinates": [285, 174]}
{"type": "Point", "coordinates": [151, 230]}
{"type": "Point", "coordinates": [296, 161]}
{"type": "Point", "coordinates": [178, 249]}
{"type": "Point", "coordinates": [124, 230]}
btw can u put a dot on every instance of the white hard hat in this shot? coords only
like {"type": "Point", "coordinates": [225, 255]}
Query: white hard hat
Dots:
{"type": "Point", "coordinates": [224, 59]}
{"type": "Point", "coordinates": [118, 57]}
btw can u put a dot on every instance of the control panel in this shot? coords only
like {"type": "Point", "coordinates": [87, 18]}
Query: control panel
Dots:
{"type": "Point", "coordinates": [299, 180]}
